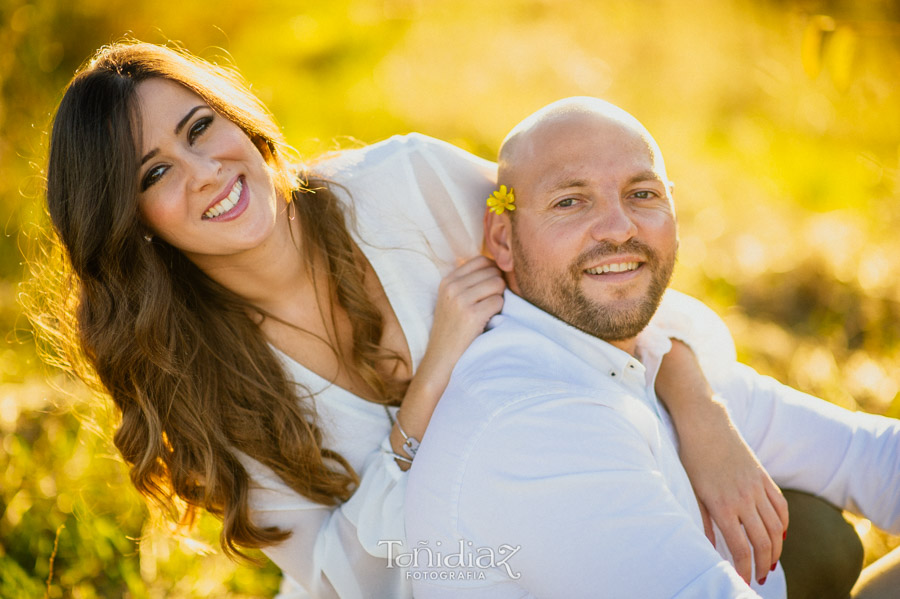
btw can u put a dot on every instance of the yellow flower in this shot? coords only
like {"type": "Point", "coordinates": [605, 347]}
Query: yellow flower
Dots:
{"type": "Point", "coordinates": [502, 200]}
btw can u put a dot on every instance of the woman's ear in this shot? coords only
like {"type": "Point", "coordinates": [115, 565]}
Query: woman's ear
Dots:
{"type": "Point", "coordinates": [498, 238]}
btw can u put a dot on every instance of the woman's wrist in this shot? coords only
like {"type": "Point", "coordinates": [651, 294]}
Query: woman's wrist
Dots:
{"type": "Point", "coordinates": [419, 402]}
{"type": "Point", "coordinates": [403, 443]}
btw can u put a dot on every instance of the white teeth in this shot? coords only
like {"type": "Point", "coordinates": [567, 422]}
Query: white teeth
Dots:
{"type": "Point", "coordinates": [228, 203]}
{"type": "Point", "coordinates": [619, 267]}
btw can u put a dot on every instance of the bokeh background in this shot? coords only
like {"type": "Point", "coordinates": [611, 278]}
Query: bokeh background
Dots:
{"type": "Point", "coordinates": [780, 120]}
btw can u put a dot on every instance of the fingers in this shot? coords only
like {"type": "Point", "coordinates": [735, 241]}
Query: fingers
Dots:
{"type": "Point", "coordinates": [473, 264]}
{"type": "Point", "coordinates": [755, 535]}
{"type": "Point", "coordinates": [472, 282]}
{"type": "Point", "coordinates": [774, 512]}
{"type": "Point", "coordinates": [738, 545]}
{"type": "Point", "coordinates": [762, 542]}
{"type": "Point", "coordinates": [467, 299]}
{"type": "Point", "coordinates": [779, 503]}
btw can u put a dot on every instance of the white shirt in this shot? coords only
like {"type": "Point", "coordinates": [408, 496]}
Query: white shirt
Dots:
{"type": "Point", "coordinates": [550, 449]}
{"type": "Point", "coordinates": [415, 206]}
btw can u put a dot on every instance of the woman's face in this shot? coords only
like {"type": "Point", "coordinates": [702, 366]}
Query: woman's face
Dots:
{"type": "Point", "coordinates": [203, 187]}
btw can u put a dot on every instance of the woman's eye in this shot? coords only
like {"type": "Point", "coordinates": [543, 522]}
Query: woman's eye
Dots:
{"type": "Point", "coordinates": [152, 176]}
{"type": "Point", "coordinates": [199, 128]}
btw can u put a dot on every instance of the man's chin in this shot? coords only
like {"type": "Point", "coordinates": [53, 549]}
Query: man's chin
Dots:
{"type": "Point", "coordinates": [615, 319]}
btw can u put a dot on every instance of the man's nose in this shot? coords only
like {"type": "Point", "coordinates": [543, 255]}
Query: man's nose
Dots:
{"type": "Point", "coordinates": [612, 222]}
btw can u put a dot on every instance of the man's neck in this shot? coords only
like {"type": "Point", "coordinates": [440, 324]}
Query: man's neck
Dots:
{"type": "Point", "coordinates": [626, 345]}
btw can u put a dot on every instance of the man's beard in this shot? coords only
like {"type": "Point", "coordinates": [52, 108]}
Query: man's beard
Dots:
{"type": "Point", "coordinates": [560, 294]}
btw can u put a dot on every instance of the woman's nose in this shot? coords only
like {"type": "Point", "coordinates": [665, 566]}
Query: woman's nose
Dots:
{"type": "Point", "coordinates": [204, 171]}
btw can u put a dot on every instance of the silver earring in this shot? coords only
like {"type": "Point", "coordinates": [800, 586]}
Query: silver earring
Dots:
{"type": "Point", "coordinates": [148, 237]}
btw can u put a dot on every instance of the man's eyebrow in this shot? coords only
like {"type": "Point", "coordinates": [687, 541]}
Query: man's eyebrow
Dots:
{"type": "Point", "coordinates": [178, 129]}
{"type": "Point", "coordinates": [566, 184]}
{"type": "Point", "coordinates": [647, 175]}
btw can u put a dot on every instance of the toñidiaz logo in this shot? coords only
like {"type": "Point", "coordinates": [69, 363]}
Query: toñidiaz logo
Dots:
{"type": "Point", "coordinates": [462, 561]}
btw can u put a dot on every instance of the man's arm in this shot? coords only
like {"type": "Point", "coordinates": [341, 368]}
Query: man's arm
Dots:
{"type": "Point", "coordinates": [852, 459]}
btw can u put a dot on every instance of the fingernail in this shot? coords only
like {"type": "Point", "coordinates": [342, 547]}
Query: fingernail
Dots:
{"type": "Point", "coordinates": [784, 536]}
{"type": "Point", "coordinates": [762, 580]}
{"type": "Point", "coordinates": [772, 569]}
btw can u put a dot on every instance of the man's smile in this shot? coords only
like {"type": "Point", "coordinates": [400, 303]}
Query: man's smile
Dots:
{"type": "Point", "coordinates": [614, 267]}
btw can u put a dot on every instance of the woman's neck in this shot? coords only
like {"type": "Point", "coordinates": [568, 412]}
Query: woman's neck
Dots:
{"type": "Point", "coordinates": [272, 275]}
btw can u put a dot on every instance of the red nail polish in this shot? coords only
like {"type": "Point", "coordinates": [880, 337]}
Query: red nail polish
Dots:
{"type": "Point", "coordinates": [784, 536]}
{"type": "Point", "coordinates": [762, 580]}
{"type": "Point", "coordinates": [772, 569]}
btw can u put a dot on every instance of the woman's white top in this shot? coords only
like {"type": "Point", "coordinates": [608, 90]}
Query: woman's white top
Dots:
{"type": "Point", "coordinates": [415, 208]}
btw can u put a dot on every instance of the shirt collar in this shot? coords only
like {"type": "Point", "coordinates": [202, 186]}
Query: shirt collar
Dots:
{"type": "Point", "coordinates": [652, 343]}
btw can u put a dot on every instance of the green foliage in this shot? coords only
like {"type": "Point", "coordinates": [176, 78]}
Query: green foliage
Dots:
{"type": "Point", "coordinates": [779, 126]}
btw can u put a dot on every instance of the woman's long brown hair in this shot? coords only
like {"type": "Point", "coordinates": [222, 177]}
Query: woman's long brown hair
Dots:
{"type": "Point", "coordinates": [183, 360]}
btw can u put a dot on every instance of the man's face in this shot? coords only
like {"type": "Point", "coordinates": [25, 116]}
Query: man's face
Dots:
{"type": "Point", "coordinates": [593, 240]}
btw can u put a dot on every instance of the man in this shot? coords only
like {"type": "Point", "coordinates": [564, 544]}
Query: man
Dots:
{"type": "Point", "coordinates": [549, 468]}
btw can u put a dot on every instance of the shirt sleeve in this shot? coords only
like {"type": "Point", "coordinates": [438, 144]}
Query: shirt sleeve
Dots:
{"type": "Point", "coordinates": [596, 519]}
{"type": "Point", "coordinates": [687, 319]}
{"type": "Point", "coordinates": [336, 551]}
{"type": "Point", "coordinates": [850, 458]}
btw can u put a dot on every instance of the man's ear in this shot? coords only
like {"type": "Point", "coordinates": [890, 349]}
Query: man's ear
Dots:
{"type": "Point", "coordinates": [498, 239]}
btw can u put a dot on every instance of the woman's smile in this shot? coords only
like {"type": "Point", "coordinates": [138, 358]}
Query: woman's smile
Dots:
{"type": "Point", "coordinates": [232, 205]}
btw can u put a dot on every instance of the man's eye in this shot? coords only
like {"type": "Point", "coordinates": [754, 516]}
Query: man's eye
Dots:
{"type": "Point", "coordinates": [199, 128]}
{"type": "Point", "coordinates": [644, 195]}
{"type": "Point", "coordinates": [152, 176]}
{"type": "Point", "coordinates": [566, 203]}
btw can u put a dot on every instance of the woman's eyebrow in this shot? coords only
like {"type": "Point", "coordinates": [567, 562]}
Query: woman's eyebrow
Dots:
{"type": "Point", "coordinates": [178, 129]}
{"type": "Point", "coordinates": [187, 117]}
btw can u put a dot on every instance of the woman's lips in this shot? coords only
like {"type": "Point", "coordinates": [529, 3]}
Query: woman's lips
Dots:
{"type": "Point", "coordinates": [232, 205]}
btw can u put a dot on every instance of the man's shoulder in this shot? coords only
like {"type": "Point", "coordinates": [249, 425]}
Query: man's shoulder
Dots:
{"type": "Point", "coordinates": [511, 373]}
{"type": "Point", "coordinates": [512, 362]}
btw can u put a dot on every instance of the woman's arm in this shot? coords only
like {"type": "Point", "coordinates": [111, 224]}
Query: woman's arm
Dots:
{"type": "Point", "coordinates": [467, 299]}
{"type": "Point", "coordinates": [731, 485]}
{"type": "Point", "coordinates": [344, 550]}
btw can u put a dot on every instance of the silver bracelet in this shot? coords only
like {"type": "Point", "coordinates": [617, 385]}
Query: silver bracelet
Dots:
{"type": "Point", "coordinates": [401, 458]}
{"type": "Point", "coordinates": [411, 443]}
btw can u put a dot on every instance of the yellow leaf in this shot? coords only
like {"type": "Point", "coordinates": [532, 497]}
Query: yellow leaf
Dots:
{"type": "Point", "coordinates": [839, 56]}
{"type": "Point", "coordinates": [811, 45]}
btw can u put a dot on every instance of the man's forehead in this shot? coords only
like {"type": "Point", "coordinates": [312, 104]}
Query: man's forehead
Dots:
{"type": "Point", "coordinates": [576, 147]}
{"type": "Point", "coordinates": [574, 131]}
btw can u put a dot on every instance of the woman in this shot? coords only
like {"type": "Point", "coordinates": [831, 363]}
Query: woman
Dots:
{"type": "Point", "coordinates": [258, 332]}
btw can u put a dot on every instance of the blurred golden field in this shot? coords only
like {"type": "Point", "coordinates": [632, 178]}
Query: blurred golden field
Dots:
{"type": "Point", "coordinates": [780, 121]}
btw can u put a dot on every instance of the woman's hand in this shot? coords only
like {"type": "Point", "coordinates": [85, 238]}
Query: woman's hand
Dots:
{"type": "Point", "coordinates": [731, 485]}
{"type": "Point", "coordinates": [467, 299]}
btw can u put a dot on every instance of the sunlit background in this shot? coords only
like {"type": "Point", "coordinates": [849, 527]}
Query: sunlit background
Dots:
{"type": "Point", "coordinates": [779, 119]}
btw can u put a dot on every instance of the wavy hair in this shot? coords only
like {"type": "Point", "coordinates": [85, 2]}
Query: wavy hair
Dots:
{"type": "Point", "coordinates": [141, 323]}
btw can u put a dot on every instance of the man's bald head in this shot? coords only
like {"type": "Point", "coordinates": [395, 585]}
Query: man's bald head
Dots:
{"type": "Point", "coordinates": [523, 143]}
{"type": "Point", "coordinates": [593, 237]}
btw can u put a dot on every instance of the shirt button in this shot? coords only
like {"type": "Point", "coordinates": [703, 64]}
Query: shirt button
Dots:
{"type": "Point", "coordinates": [612, 373]}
